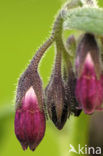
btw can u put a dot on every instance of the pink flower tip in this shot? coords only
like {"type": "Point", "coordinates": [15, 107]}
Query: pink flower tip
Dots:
{"type": "Point", "coordinates": [29, 121]}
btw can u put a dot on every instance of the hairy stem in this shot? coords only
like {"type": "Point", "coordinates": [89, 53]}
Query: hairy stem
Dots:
{"type": "Point", "coordinates": [36, 59]}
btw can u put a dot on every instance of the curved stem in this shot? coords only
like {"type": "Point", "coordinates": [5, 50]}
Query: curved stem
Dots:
{"type": "Point", "coordinates": [36, 59]}
{"type": "Point", "coordinates": [55, 36]}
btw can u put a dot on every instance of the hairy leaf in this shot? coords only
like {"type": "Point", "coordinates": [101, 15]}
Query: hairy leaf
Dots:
{"type": "Point", "coordinates": [85, 19]}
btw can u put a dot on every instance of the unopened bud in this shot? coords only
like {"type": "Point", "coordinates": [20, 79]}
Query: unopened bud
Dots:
{"type": "Point", "coordinates": [30, 117]}
{"type": "Point", "coordinates": [29, 121]}
{"type": "Point", "coordinates": [55, 95]}
{"type": "Point", "coordinates": [70, 77]}
{"type": "Point", "coordinates": [70, 93]}
{"type": "Point", "coordinates": [89, 89]}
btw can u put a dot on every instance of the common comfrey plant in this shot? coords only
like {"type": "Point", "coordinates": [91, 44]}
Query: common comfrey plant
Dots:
{"type": "Point", "coordinates": [76, 82]}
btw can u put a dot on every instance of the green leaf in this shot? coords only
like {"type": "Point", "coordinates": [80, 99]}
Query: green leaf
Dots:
{"type": "Point", "coordinates": [85, 19]}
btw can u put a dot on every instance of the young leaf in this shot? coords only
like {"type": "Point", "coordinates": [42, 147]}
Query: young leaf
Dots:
{"type": "Point", "coordinates": [85, 19]}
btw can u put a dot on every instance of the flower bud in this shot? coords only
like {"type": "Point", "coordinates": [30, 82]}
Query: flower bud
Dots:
{"type": "Point", "coordinates": [70, 93]}
{"type": "Point", "coordinates": [69, 76]}
{"type": "Point", "coordinates": [30, 117]}
{"type": "Point", "coordinates": [55, 94]}
{"type": "Point", "coordinates": [89, 88]}
{"type": "Point", "coordinates": [29, 121]}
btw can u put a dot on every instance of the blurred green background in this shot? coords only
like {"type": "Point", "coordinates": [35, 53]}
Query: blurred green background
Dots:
{"type": "Point", "coordinates": [24, 26]}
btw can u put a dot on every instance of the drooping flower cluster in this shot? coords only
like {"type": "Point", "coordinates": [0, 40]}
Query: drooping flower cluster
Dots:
{"type": "Point", "coordinates": [67, 93]}
{"type": "Point", "coordinates": [70, 90]}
